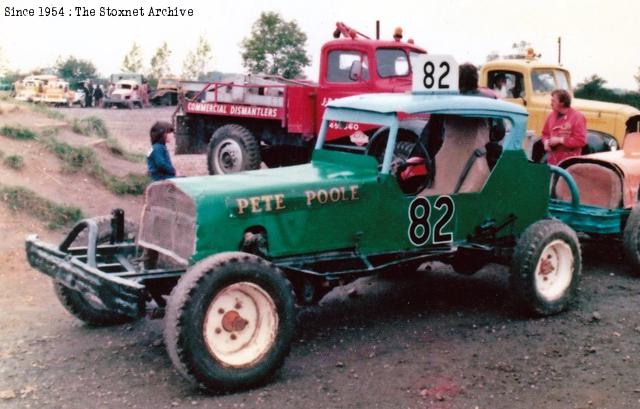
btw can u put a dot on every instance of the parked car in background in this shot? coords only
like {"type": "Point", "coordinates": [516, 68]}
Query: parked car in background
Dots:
{"type": "Point", "coordinates": [126, 94]}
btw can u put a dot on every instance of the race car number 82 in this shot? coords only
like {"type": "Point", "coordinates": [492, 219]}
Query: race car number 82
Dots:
{"type": "Point", "coordinates": [420, 228]}
{"type": "Point", "coordinates": [430, 70]}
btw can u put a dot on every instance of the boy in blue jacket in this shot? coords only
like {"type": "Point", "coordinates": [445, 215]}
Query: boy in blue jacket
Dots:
{"type": "Point", "coordinates": [158, 160]}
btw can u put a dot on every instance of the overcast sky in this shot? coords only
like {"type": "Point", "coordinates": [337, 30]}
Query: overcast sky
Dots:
{"type": "Point", "coordinates": [598, 37]}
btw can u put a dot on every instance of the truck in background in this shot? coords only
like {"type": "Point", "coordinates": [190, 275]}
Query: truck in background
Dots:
{"type": "Point", "coordinates": [166, 93]}
{"type": "Point", "coordinates": [252, 119]}
{"type": "Point", "coordinates": [529, 82]}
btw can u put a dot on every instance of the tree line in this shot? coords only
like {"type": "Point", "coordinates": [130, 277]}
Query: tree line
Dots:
{"type": "Point", "coordinates": [594, 88]}
{"type": "Point", "coordinates": [274, 46]}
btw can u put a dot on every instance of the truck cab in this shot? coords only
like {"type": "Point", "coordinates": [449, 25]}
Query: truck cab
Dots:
{"type": "Point", "coordinates": [259, 118]}
{"type": "Point", "coordinates": [529, 82]}
{"type": "Point", "coordinates": [357, 64]}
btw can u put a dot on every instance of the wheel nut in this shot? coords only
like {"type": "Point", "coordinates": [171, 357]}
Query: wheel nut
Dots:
{"type": "Point", "coordinates": [237, 306]}
{"type": "Point", "coordinates": [218, 330]}
{"type": "Point", "coordinates": [233, 337]}
{"type": "Point", "coordinates": [221, 311]}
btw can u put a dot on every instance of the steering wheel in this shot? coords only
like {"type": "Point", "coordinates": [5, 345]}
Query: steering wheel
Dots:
{"type": "Point", "coordinates": [401, 155]}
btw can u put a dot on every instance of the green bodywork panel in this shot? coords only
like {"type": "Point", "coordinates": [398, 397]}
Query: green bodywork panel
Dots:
{"type": "Point", "coordinates": [340, 201]}
{"type": "Point", "coordinates": [348, 201]}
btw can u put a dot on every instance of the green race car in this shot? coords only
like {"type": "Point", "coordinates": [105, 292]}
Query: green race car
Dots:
{"type": "Point", "coordinates": [229, 257]}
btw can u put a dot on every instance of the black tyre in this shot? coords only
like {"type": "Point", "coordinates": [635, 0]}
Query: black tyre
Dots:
{"type": "Point", "coordinates": [230, 322]}
{"type": "Point", "coordinates": [631, 238]}
{"type": "Point", "coordinates": [546, 268]}
{"type": "Point", "coordinates": [467, 265]}
{"type": "Point", "coordinates": [86, 310]}
{"type": "Point", "coordinates": [232, 149]}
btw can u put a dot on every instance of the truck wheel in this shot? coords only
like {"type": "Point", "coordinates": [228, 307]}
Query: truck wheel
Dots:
{"type": "Point", "coordinates": [85, 310]}
{"type": "Point", "coordinates": [631, 238]}
{"type": "Point", "coordinates": [230, 321]}
{"type": "Point", "coordinates": [232, 149]}
{"type": "Point", "coordinates": [546, 268]}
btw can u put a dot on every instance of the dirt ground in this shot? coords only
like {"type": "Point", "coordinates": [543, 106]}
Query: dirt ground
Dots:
{"type": "Point", "coordinates": [432, 339]}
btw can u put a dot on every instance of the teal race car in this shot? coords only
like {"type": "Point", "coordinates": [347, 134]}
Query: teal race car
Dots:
{"type": "Point", "coordinates": [228, 258]}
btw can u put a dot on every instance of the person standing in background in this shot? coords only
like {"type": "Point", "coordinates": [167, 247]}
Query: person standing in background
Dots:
{"type": "Point", "coordinates": [565, 130]}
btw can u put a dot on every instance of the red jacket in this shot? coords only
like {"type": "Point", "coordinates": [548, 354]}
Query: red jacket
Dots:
{"type": "Point", "coordinates": [572, 126]}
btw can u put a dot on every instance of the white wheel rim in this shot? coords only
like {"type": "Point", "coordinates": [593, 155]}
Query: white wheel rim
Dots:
{"type": "Point", "coordinates": [554, 270]}
{"type": "Point", "coordinates": [228, 157]}
{"type": "Point", "coordinates": [240, 325]}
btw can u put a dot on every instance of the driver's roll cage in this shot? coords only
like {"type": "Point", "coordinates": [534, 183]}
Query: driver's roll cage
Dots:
{"type": "Point", "coordinates": [472, 174]}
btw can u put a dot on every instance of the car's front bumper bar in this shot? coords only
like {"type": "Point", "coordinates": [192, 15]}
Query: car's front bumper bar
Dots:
{"type": "Point", "coordinates": [113, 293]}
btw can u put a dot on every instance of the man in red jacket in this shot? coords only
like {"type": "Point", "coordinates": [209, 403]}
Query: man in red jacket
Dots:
{"type": "Point", "coordinates": [565, 130]}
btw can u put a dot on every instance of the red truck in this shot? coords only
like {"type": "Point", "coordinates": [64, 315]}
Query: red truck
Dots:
{"type": "Point", "coordinates": [252, 119]}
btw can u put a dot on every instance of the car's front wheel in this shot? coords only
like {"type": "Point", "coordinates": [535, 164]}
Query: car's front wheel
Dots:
{"type": "Point", "coordinates": [230, 322]}
{"type": "Point", "coordinates": [86, 309]}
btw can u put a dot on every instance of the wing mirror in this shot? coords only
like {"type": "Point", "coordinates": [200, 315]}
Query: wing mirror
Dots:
{"type": "Point", "coordinates": [355, 74]}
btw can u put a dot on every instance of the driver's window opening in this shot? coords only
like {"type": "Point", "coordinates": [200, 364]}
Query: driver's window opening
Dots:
{"type": "Point", "coordinates": [354, 137]}
{"type": "Point", "coordinates": [455, 154]}
{"type": "Point", "coordinates": [543, 81]}
{"type": "Point", "coordinates": [507, 84]}
{"type": "Point", "coordinates": [347, 66]}
{"type": "Point", "coordinates": [392, 62]}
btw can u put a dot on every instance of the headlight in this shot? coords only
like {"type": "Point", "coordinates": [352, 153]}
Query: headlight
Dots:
{"type": "Point", "coordinates": [613, 145]}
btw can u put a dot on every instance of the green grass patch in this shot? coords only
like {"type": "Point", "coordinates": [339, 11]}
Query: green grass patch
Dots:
{"type": "Point", "coordinates": [132, 184]}
{"type": "Point", "coordinates": [17, 132]}
{"type": "Point", "coordinates": [46, 111]}
{"type": "Point", "coordinates": [74, 158]}
{"type": "Point", "coordinates": [14, 162]}
{"type": "Point", "coordinates": [24, 200]}
{"type": "Point", "coordinates": [117, 149]}
{"type": "Point", "coordinates": [84, 159]}
{"type": "Point", "coordinates": [91, 125]}
{"type": "Point", "coordinates": [49, 131]}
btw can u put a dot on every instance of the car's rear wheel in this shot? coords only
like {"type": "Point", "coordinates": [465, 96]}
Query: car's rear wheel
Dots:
{"type": "Point", "coordinates": [631, 238]}
{"type": "Point", "coordinates": [546, 268]}
{"type": "Point", "coordinates": [230, 322]}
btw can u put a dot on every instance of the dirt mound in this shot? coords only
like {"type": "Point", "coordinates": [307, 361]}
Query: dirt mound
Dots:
{"type": "Point", "coordinates": [47, 175]}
